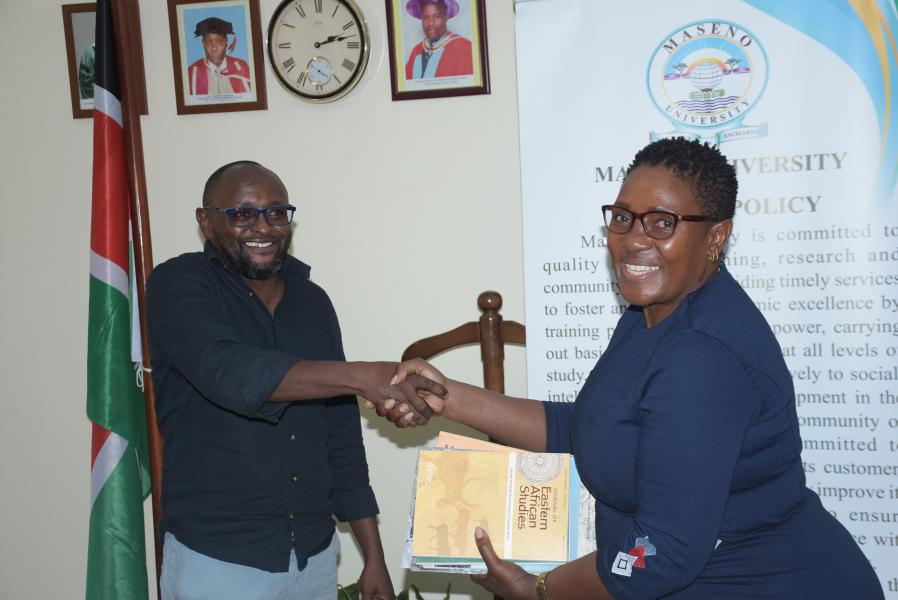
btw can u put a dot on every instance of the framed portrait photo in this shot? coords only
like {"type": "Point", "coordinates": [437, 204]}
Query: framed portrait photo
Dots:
{"type": "Point", "coordinates": [217, 55]}
{"type": "Point", "coordinates": [79, 22]}
{"type": "Point", "coordinates": [437, 48]}
{"type": "Point", "coordinates": [79, 25]}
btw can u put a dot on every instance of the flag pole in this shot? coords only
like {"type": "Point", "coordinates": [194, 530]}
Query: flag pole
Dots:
{"type": "Point", "coordinates": [143, 248]}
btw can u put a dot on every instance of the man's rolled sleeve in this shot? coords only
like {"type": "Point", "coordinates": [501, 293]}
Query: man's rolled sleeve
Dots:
{"type": "Point", "coordinates": [198, 341]}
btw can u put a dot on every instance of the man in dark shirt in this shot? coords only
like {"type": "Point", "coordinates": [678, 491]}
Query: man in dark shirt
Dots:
{"type": "Point", "coordinates": [257, 409]}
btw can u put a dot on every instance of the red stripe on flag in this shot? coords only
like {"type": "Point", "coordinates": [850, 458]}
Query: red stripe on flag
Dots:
{"type": "Point", "coordinates": [98, 437]}
{"type": "Point", "coordinates": [111, 207]}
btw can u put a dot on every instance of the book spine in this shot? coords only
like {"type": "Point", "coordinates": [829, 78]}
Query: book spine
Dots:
{"type": "Point", "coordinates": [508, 550]}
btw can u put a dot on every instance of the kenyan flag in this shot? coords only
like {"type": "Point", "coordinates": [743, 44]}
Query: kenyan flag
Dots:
{"type": "Point", "coordinates": [119, 476]}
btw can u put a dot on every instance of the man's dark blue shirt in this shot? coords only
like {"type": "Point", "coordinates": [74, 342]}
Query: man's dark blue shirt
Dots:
{"type": "Point", "coordinates": [247, 480]}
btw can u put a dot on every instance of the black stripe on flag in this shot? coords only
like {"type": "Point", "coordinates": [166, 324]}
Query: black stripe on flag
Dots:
{"type": "Point", "coordinates": [106, 75]}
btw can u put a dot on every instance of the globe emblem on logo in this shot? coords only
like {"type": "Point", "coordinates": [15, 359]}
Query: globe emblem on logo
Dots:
{"type": "Point", "coordinates": [705, 77]}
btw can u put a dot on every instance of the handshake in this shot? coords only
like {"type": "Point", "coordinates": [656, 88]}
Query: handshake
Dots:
{"type": "Point", "coordinates": [416, 391]}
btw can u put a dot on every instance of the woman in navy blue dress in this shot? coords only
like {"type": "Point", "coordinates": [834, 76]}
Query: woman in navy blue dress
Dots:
{"type": "Point", "coordinates": [686, 430]}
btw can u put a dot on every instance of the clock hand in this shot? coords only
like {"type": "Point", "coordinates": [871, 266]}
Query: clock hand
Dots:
{"type": "Point", "coordinates": [333, 38]}
{"type": "Point", "coordinates": [330, 38]}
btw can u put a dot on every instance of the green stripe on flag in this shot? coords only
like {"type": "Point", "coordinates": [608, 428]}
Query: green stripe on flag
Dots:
{"type": "Point", "coordinates": [116, 563]}
{"type": "Point", "coordinates": [114, 400]}
{"type": "Point", "coordinates": [116, 560]}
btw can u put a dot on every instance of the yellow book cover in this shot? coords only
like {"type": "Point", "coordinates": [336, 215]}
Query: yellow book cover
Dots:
{"type": "Point", "coordinates": [446, 439]}
{"type": "Point", "coordinates": [520, 498]}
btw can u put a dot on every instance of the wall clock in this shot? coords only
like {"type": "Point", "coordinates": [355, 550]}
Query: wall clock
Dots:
{"type": "Point", "coordinates": [318, 49]}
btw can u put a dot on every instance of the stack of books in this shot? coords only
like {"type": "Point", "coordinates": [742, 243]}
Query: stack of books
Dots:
{"type": "Point", "coordinates": [527, 502]}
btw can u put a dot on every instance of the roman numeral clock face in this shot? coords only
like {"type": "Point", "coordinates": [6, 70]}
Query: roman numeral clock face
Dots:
{"type": "Point", "coordinates": [318, 48]}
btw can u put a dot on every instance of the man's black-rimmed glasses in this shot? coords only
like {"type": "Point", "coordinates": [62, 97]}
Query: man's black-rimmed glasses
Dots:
{"type": "Point", "coordinates": [246, 216]}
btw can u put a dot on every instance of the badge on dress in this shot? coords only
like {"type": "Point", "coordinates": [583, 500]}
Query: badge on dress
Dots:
{"type": "Point", "coordinates": [625, 562]}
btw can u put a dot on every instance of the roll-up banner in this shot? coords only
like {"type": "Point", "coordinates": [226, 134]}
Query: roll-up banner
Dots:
{"type": "Point", "coordinates": [802, 98]}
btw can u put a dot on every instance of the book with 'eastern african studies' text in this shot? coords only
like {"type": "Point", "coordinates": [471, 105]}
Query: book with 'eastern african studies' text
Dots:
{"type": "Point", "coordinates": [527, 502]}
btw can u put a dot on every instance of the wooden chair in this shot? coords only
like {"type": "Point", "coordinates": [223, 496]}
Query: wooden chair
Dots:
{"type": "Point", "coordinates": [491, 332]}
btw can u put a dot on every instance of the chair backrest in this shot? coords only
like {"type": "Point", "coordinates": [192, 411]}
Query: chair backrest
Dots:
{"type": "Point", "coordinates": [491, 332]}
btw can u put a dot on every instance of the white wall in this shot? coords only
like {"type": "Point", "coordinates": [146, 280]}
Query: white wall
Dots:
{"type": "Point", "coordinates": [402, 248]}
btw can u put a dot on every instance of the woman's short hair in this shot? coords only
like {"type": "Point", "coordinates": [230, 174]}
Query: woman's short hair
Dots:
{"type": "Point", "coordinates": [707, 171]}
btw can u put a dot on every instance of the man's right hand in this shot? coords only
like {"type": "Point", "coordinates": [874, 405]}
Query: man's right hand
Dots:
{"type": "Point", "coordinates": [423, 376]}
{"type": "Point", "coordinates": [405, 401]}
{"type": "Point", "coordinates": [417, 367]}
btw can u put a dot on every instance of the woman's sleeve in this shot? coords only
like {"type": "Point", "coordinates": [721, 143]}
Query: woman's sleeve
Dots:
{"type": "Point", "coordinates": [558, 426]}
{"type": "Point", "coordinates": [695, 410]}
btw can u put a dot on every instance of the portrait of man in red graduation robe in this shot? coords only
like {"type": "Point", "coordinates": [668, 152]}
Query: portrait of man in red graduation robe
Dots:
{"type": "Point", "coordinates": [217, 72]}
{"type": "Point", "coordinates": [441, 53]}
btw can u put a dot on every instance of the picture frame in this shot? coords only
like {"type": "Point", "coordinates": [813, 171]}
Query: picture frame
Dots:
{"type": "Point", "coordinates": [217, 55]}
{"type": "Point", "coordinates": [79, 27]}
{"type": "Point", "coordinates": [456, 63]}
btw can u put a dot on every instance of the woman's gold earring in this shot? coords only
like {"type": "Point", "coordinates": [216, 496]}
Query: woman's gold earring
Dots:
{"type": "Point", "coordinates": [713, 257]}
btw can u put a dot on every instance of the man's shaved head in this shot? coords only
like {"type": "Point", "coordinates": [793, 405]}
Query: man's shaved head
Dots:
{"type": "Point", "coordinates": [231, 175]}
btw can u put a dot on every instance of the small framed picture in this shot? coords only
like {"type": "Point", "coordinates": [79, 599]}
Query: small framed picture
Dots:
{"type": "Point", "coordinates": [79, 25]}
{"type": "Point", "coordinates": [437, 48]}
{"type": "Point", "coordinates": [217, 55]}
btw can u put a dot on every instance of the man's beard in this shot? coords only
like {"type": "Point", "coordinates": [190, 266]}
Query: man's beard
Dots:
{"type": "Point", "coordinates": [240, 262]}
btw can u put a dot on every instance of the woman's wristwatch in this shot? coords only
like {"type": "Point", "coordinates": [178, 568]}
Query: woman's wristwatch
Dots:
{"type": "Point", "coordinates": [541, 593]}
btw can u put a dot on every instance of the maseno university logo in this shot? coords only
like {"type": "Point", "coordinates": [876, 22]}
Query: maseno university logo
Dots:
{"type": "Point", "coordinates": [706, 77]}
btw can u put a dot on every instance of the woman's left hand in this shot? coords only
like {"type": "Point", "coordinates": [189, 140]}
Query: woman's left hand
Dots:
{"type": "Point", "coordinates": [374, 582]}
{"type": "Point", "coordinates": [502, 578]}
